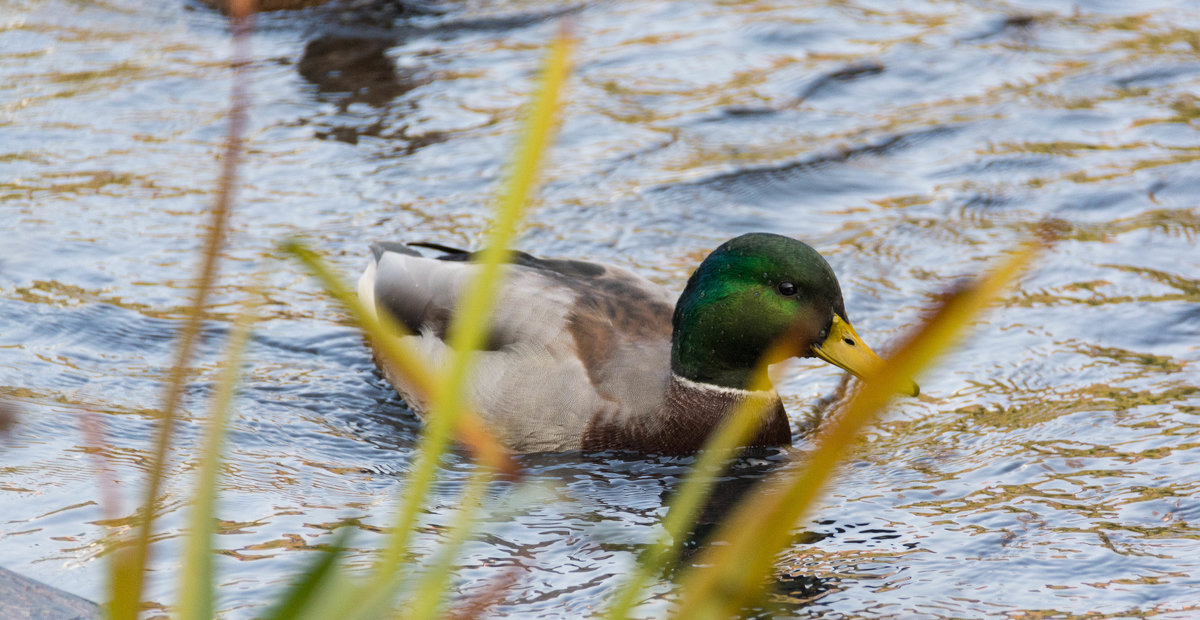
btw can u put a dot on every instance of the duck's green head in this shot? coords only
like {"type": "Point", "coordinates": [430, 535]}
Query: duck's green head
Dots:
{"type": "Point", "coordinates": [753, 293]}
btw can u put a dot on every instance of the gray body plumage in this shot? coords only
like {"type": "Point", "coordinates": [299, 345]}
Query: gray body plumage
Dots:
{"type": "Point", "coordinates": [578, 355]}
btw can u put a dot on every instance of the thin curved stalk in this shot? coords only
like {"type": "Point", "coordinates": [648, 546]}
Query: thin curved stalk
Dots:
{"type": "Point", "coordinates": [448, 409]}
{"type": "Point", "coordinates": [721, 447]}
{"type": "Point", "coordinates": [128, 565]}
{"type": "Point", "coordinates": [472, 318]}
{"type": "Point", "coordinates": [196, 582]}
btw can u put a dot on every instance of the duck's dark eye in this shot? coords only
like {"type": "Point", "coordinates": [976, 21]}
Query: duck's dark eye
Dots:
{"type": "Point", "coordinates": [787, 289]}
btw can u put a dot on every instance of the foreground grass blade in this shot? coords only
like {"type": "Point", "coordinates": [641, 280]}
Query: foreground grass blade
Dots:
{"type": "Point", "coordinates": [472, 317]}
{"type": "Point", "coordinates": [196, 582]}
{"type": "Point", "coordinates": [337, 593]}
{"type": "Point", "coordinates": [128, 568]}
{"type": "Point", "coordinates": [471, 320]}
{"type": "Point", "coordinates": [448, 412]}
{"type": "Point", "coordinates": [733, 575]}
{"type": "Point", "coordinates": [722, 446]}
{"type": "Point", "coordinates": [313, 582]}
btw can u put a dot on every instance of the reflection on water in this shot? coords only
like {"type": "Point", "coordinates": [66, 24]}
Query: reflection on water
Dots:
{"type": "Point", "coordinates": [357, 67]}
{"type": "Point", "coordinates": [1049, 468]}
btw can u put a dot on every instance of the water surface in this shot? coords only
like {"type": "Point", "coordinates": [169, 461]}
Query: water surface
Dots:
{"type": "Point", "coordinates": [1050, 468]}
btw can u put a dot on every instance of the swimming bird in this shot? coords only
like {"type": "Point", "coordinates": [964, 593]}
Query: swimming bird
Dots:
{"type": "Point", "coordinates": [584, 356]}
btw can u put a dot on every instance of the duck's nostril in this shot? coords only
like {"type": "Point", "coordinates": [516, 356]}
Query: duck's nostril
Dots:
{"type": "Point", "coordinates": [848, 341]}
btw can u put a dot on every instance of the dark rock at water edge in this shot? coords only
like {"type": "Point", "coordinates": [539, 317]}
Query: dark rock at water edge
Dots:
{"type": "Point", "coordinates": [22, 598]}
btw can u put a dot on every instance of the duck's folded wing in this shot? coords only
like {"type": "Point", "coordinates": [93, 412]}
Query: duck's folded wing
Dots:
{"type": "Point", "coordinates": [568, 341]}
{"type": "Point", "coordinates": [423, 293]}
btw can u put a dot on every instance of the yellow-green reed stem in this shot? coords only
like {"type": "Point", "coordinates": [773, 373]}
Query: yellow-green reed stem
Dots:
{"type": "Point", "coordinates": [339, 595]}
{"type": "Point", "coordinates": [723, 445]}
{"type": "Point", "coordinates": [471, 319]}
{"type": "Point", "coordinates": [127, 571]}
{"type": "Point", "coordinates": [733, 575]}
{"type": "Point", "coordinates": [467, 332]}
{"type": "Point", "coordinates": [196, 580]}
{"type": "Point", "coordinates": [313, 595]}
{"type": "Point", "coordinates": [432, 587]}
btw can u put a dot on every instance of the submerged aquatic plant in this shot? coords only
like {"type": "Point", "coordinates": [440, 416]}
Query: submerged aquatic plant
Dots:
{"type": "Point", "coordinates": [727, 579]}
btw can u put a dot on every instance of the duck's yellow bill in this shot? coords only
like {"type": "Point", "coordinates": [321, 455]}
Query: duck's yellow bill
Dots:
{"type": "Point", "coordinates": [844, 349]}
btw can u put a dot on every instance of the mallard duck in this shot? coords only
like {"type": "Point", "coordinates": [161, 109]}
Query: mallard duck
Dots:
{"type": "Point", "coordinates": [584, 356]}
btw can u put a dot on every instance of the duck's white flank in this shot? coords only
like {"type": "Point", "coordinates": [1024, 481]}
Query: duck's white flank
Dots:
{"type": "Point", "coordinates": [722, 389]}
{"type": "Point", "coordinates": [366, 289]}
